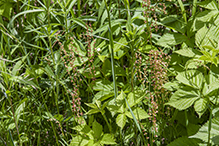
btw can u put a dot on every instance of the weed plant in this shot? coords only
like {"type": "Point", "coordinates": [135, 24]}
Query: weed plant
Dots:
{"type": "Point", "coordinates": [125, 72]}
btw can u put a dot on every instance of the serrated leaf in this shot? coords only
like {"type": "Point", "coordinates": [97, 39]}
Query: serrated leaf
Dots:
{"type": "Point", "coordinates": [209, 4]}
{"type": "Point", "coordinates": [211, 88]}
{"type": "Point", "coordinates": [184, 141]}
{"type": "Point", "coordinates": [171, 39]}
{"type": "Point", "coordinates": [203, 132]}
{"type": "Point", "coordinates": [183, 99]}
{"type": "Point", "coordinates": [6, 7]}
{"type": "Point", "coordinates": [188, 52]}
{"type": "Point", "coordinates": [201, 106]}
{"type": "Point", "coordinates": [121, 108]}
{"type": "Point", "coordinates": [139, 113]}
{"type": "Point", "coordinates": [97, 129]}
{"type": "Point", "coordinates": [192, 78]}
{"type": "Point", "coordinates": [103, 95]}
{"type": "Point", "coordinates": [79, 141]}
{"type": "Point", "coordinates": [131, 99]}
{"type": "Point", "coordinates": [107, 139]}
{"type": "Point", "coordinates": [171, 86]}
{"type": "Point", "coordinates": [121, 120]}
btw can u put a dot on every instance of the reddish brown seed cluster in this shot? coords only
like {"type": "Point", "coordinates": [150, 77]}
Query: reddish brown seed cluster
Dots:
{"type": "Point", "coordinates": [151, 12]}
{"type": "Point", "coordinates": [153, 76]}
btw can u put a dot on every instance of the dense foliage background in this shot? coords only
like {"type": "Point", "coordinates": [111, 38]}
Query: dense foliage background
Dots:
{"type": "Point", "coordinates": [109, 72]}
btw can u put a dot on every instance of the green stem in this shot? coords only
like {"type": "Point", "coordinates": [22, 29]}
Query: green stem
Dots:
{"type": "Point", "coordinates": [50, 121]}
{"type": "Point", "coordinates": [110, 128]}
{"type": "Point", "coordinates": [194, 7]}
{"type": "Point", "coordinates": [79, 8]}
{"type": "Point", "coordinates": [16, 125]}
{"type": "Point", "coordinates": [112, 53]}
{"type": "Point", "coordinates": [209, 127]}
{"type": "Point", "coordinates": [183, 10]}
{"type": "Point", "coordinates": [187, 121]}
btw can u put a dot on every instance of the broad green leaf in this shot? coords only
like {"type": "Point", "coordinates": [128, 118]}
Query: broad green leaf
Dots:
{"type": "Point", "coordinates": [91, 105]}
{"type": "Point", "coordinates": [107, 139]}
{"type": "Point", "coordinates": [92, 111]}
{"type": "Point", "coordinates": [171, 86]}
{"type": "Point", "coordinates": [147, 48]}
{"type": "Point", "coordinates": [139, 113]}
{"type": "Point", "coordinates": [121, 120]}
{"type": "Point", "coordinates": [139, 96]}
{"type": "Point", "coordinates": [203, 17]}
{"type": "Point", "coordinates": [172, 22]}
{"type": "Point", "coordinates": [120, 44]}
{"type": "Point", "coordinates": [106, 67]}
{"type": "Point", "coordinates": [120, 98]}
{"type": "Point", "coordinates": [209, 4]}
{"type": "Point", "coordinates": [112, 108]}
{"type": "Point", "coordinates": [103, 85]}
{"type": "Point", "coordinates": [211, 88]}
{"type": "Point", "coordinates": [79, 140]}
{"type": "Point", "coordinates": [193, 64]}
{"type": "Point", "coordinates": [98, 103]}
{"type": "Point", "coordinates": [201, 106]}
{"type": "Point", "coordinates": [103, 95]}
{"type": "Point", "coordinates": [171, 39]}
{"type": "Point", "coordinates": [203, 132]}
{"type": "Point", "coordinates": [77, 47]}
{"type": "Point", "coordinates": [58, 117]}
{"type": "Point", "coordinates": [184, 141]}
{"type": "Point", "coordinates": [192, 128]}
{"type": "Point", "coordinates": [119, 71]}
{"type": "Point", "coordinates": [208, 36]}
{"type": "Point", "coordinates": [102, 57]}
{"type": "Point", "coordinates": [183, 99]}
{"type": "Point", "coordinates": [131, 99]}
{"type": "Point", "coordinates": [97, 129]}
{"type": "Point", "coordinates": [84, 130]}
{"type": "Point", "coordinates": [6, 7]}
{"type": "Point", "coordinates": [121, 107]}
{"type": "Point", "coordinates": [187, 52]}
{"type": "Point", "coordinates": [192, 78]}
{"type": "Point", "coordinates": [136, 97]}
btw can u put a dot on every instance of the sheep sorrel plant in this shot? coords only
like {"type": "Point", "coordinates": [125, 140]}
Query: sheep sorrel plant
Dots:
{"type": "Point", "coordinates": [158, 96]}
{"type": "Point", "coordinates": [110, 72]}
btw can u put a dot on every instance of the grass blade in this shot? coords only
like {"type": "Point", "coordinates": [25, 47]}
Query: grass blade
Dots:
{"type": "Point", "coordinates": [135, 120]}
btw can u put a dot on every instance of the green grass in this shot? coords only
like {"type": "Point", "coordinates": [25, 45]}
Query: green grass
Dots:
{"type": "Point", "coordinates": [126, 72]}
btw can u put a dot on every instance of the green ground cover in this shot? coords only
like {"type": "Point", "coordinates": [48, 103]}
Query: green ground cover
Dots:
{"type": "Point", "coordinates": [109, 72]}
